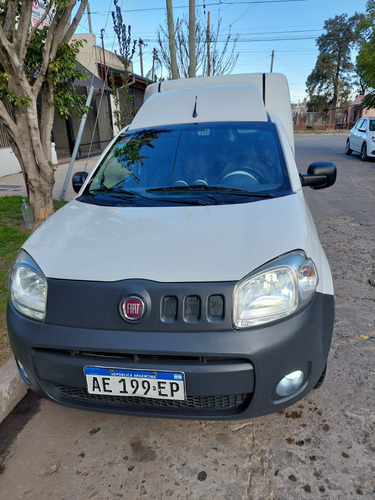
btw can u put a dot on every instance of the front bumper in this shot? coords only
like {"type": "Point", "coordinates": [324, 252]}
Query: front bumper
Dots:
{"type": "Point", "coordinates": [229, 373]}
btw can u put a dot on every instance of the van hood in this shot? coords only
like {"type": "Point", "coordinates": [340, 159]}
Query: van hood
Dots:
{"type": "Point", "coordinates": [170, 244]}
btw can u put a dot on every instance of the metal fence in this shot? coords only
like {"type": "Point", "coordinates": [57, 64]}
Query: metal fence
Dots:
{"type": "Point", "coordinates": [325, 120]}
{"type": "Point", "coordinates": [98, 128]}
{"type": "Point", "coordinates": [97, 133]}
{"type": "Point", "coordinates": [4, 137]}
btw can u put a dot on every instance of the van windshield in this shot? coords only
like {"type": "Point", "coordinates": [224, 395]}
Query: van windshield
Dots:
{"type": "Point", "coordinates": [193, 163]}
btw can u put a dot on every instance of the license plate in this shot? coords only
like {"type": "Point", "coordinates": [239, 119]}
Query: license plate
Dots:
{"type": "Point", "coordinates": [141, 383]}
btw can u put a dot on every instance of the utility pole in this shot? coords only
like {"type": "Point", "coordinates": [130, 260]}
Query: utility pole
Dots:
{"type": "Point", "coordinates": [89, 17]}
{"type": "Point", "coordinates": [172, 41]}
{"type": "Point", "coordinates": [76, 145]}
{"type": "Point", "coordinates": [208, 45]}
{"type": "Point", "coordinates": [272, 58]}
{"type": "Point", "coordinates": [155, 57]}
{"type": "Point", "coordinates": [140, 43]}
{"type": "Point", "coordinates": [105, 67]}
{"type": "Point", "coordinates": [192, 67]}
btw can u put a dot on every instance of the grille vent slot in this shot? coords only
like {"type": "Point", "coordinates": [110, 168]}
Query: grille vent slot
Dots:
{"type": "Point", "coordinates": [216, 307]}
{"type": "Point", "coordinates": [169, 309]}
{"type": "Point", "coordinates": [193, 308]}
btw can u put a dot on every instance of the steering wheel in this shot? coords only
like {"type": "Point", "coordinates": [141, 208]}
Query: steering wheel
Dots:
{"type": "Point", "coordinates": [198, 182]}
{"type": "Point", "coordinates": [253, 175]}
{"type": "Point", "coordinates": [239, 178]}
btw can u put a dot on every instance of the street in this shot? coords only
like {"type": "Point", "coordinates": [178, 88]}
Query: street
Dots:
{"type": "Point", "coordinates": [321, 448]}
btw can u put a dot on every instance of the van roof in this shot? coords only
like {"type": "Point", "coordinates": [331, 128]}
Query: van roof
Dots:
{"type": "Point", "coordinates": [216, 103]}
{"type": "Point", "coordinates": [245, 97]}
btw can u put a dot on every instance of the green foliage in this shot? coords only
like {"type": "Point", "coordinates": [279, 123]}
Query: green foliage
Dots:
{"type": "Point", "coordinates": [4, 80]}
{"type": "Point", "coordinates": [34, 53]}
{"type": "Point", "coordinates": [124, 103]}
{"type": "Point", "coordinates": [123, 98]}
{"type": "Point", "coordinates": [60, 5]}
{"type": "Point", "coordinates": [6, 93]}
{"type": "Point", "coordinates": [366, 55]}
{"type": "Point", "coordinates": [123, 33]}
{"type": "Point", "coordinates": [331, 76]}
{"type": "Point", "coordinates": [63, 73]}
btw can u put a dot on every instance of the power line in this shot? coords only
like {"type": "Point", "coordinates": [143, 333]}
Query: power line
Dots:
{"type": "Point", "coordinates": [222, 3]}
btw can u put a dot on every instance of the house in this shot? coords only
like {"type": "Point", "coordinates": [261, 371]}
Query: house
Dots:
{"type": "Point", "coordinates": [104, 69]}
{"type": "Point", "coordinates": [299, 113]}
{"type": "Point", "coordinates": [356, 111]}
{"type": "Point", "coordinates": [107, 65]}
{"type": "Point", "coordinates": [98, 129]}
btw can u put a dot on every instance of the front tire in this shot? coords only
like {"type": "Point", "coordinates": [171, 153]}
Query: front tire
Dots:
{"type": "Point", "coordinates": [364, 156]}
{"type": "Point", "coordinates": [348, 150]}
{"type": "Point", "coordinates": [321, 379]}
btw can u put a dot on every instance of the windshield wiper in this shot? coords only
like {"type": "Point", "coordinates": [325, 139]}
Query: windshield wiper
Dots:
{"type": "Point", "coordinates": [217, 189]}
{"type": "Point", "coordinates": [117, 193]}
{"type": "Point", "coordinates": [130, 195]}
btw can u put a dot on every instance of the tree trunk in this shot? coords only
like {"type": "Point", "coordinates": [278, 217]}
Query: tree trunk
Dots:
{"type": "Point", "coordinates": [42, 203]}
{"type": "Point", "coordinates": [31, 71]}
{"type": "Point", "coordinates": [37, 169]}
{"type": "Point", "coordinates": [39, 180]}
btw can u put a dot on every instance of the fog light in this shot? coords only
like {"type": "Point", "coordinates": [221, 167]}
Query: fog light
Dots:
{"type": "Point", "coordinates": [23, 372]}
{"type": "Point", "coordinates": [290, 383]}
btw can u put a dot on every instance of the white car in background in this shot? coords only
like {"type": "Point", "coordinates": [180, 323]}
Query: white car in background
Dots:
{"type": "Point", "coordinates": [362, 139]}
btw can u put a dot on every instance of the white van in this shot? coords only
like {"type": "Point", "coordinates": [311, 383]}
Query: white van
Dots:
{"type": "Point", "coordinates": [186, 279]}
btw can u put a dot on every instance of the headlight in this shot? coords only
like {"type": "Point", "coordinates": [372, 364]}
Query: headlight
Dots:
{"type": "Point", "coordinates": [27, 287]}
{"type": "Point", "coordinates": [274, 291]}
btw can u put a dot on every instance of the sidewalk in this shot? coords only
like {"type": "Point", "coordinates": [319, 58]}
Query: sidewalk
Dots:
{"type": "Point", "coordinates": [12, 388]}
{"type": "Point", "coordinates": [14, 184]}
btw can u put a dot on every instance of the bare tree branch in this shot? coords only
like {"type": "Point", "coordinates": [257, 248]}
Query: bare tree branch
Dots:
{"type": "Point", "coordinates": [222, 58]}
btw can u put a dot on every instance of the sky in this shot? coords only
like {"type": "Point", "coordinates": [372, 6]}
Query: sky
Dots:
{"type": "Point", "coordinates": [287, 27]}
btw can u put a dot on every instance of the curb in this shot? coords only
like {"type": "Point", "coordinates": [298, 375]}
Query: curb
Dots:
{"type": "Point", "coordinates": [12, 388]}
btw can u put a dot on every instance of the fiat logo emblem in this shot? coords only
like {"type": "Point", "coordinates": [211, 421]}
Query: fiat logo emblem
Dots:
{"type": "Point", "coordinates": [132, 308]}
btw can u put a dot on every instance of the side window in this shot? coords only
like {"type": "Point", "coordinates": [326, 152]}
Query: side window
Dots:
{"type": "Point", "coordinates": [361, 124]}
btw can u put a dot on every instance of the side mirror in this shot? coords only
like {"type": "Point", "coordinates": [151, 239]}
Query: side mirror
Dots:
{"type": "Point", "coordinates": [78, 180]}
{"type": "Point", "coordinates": [319, 175]}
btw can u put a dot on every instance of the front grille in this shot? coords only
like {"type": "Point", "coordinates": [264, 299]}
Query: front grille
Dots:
{"type": "Point", "coordinates": [192, 308]}
{"type": "Point", "coordinates": [170, 307]}
{"type": "Point", "coordinates": [226, 402]}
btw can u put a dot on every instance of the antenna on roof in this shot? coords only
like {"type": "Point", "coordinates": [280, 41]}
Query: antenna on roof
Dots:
{"type": "Point", "coordinates": [195, 114]}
